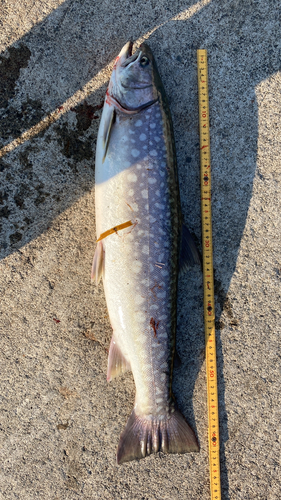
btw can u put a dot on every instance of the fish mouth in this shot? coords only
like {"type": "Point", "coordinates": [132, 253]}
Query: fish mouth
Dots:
{"type": "Point", "coordinates": [130, 57]}
{"type": "Point", "coordinates": [125, 52]}
{"type": "Point", "coordinates": [130, 48]}
{"type": "Point", "coordinates": [127, 58]}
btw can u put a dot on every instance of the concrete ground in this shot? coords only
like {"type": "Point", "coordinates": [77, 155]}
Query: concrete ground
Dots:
{"type": "Point", "coordinates": [60, 421]}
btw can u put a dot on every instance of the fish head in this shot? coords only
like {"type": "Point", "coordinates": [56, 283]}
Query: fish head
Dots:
{"type": "Point", "coordinates": [132, 80]}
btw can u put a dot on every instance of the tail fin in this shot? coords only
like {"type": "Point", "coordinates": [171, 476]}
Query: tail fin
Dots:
{"type": "Point", "coordinates": [143, 436]}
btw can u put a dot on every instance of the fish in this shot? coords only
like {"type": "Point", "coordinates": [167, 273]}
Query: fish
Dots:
{"type": "Point", "coordinates": [142, 245]}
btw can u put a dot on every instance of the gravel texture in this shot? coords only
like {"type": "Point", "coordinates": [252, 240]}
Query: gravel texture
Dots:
{"type": "Point", "coordinates": [59, 420]}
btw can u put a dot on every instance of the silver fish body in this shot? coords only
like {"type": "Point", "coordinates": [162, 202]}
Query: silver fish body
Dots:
{"type": "Point", "coordinates": [136, 183]}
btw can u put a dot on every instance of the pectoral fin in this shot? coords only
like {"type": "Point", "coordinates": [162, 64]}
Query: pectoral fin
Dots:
{"type": "Point", "coordinates": [189, 254]}
{"type": "Point", "coordinates": [110, 119]}
{"type": "Point", "coordinates": [98, 263]}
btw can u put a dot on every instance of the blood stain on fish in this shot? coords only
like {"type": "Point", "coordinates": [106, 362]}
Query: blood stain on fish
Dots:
{"type": "Point", "coordinates": [154, 326]}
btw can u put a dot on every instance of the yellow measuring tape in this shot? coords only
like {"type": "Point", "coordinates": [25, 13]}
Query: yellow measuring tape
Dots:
{"type": "Point", "coordinates": [208, 278]}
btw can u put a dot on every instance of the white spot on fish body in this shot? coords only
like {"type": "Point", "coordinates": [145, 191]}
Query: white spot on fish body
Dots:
{"type": "Point", "coordinates": [145, 249]}
{"type": "Point", "coordinates": [157, 139]}
{"type": "Point", "coordinates": [153, 152]}
{"type": "Point", "coordinates": [152, 125]}
{"type": "Point", "coordinates": [162, 173]}
{"type": "Point", "coordinates": [142, 339]}
{"type": "Point", "coordinates": [131, 192]}
{"type": "Point", "coordinates": [160, 258]}
{"type": "Point", "coordinates": [151, 219]}
{"type": "Point", "coordinates": [138, 166]}
{"type": "Point", "coordinates": [151, 180]}
{"type": "Point", "coordinates": [127, 164]}
{"type": "Point", "coordinates": [135, 153]}
{"type": "Point", "coordinates": [157, 192]}
{"type": "Point", "coordinates": [161, 295]}
{"type": "Point", "coordinates": [138, 123]}
{"type": "Point", "coordinates": [140, 316]}
{"type": "Point", "coordinates": [164, 272]}
{"type": "Point", "coordinates": [145, 147]}
{"type": "Point", "coordinates": [146, 206]}
{"type": "Point", "coordinates": [144, 193]}
{"type": "Point", "coordinates": [145, 282]}
{"type": "Point", "coordinates": [153, 307]}
{"type": "Point", "coordinates": [132, 177]}
{"type": "Point", "coordinates": [142, 137]}
{"type": "Point", "coordinates": [162, 376]}
{"type": "Point", "coordinates": [161, 354]}
{"type": "Point", "coordinates": [146, 367]}
{"type": "Point", "coordinates": [133, 140]}
{"type": "Point", "coordinates": [137, 265]}
{"type": "Point", "coordinates": [159, 400]}
{"type": "Point", "coordinates": [131, 131]}
{"type": "Point", "coordinates": [139, 299]}
{"type": "Point", "coordinates": [150, 143]}
{"type": "Point", "coordinates": [128, 236]}
{"type": "Point", "coordinates": [159, 205]}
{"type": "Point", "coordinates": [135, 207]}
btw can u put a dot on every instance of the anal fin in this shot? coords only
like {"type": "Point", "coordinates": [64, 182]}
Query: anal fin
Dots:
{"type": "Point", "coordinates": [117, 364]}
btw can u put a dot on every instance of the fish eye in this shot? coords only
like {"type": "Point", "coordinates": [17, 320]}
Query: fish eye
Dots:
{"type": "Point", "coordinates": [144, 61]}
